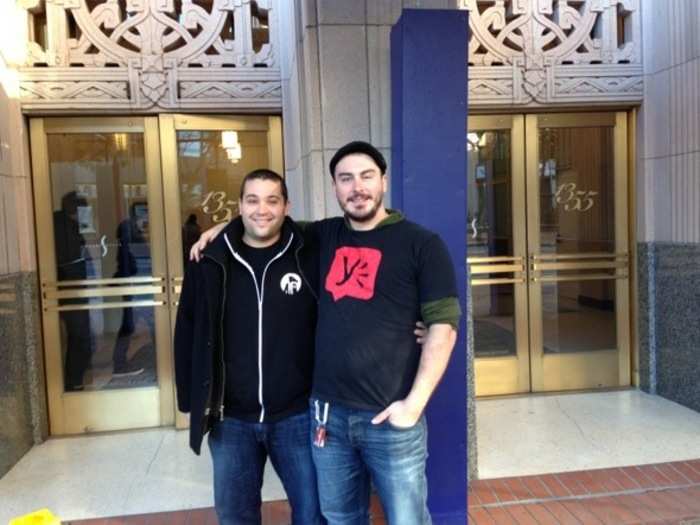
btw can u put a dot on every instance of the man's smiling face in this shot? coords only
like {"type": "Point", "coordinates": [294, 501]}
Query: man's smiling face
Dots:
{"type": "Point", "coordinates": [263, 209]}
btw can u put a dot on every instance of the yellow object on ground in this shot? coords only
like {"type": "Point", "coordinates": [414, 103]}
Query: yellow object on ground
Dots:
{"type": "Point", "coordinates": [40, 517]}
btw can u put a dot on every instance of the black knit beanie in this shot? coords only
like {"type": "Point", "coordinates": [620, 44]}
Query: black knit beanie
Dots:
{"type": "Point", "coordinates": [358, 146]}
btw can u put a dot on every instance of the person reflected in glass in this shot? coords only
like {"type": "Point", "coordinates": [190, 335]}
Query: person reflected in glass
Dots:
{"type": "Point", "coordinates": [71, 260]}
{"type": "Point", "coordinates": [129, 238]}
{"type": "Point", "coordinates": [191, 231]}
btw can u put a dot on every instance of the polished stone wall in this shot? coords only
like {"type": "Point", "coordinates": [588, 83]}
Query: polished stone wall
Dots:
{"type": "Point", "coordinates": [22, 400]}
{"type": "Point", "coordinates": [646, 315]}
{"type": "Point", "coordinates": [23, 415]}
{"type": "Point", "coordinates": [669, 326]}
{"type": "Point", "coordinates": [668, 203]}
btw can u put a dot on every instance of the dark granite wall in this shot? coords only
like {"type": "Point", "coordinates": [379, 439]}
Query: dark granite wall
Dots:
{"type": "Point", "coordinates": [22, 391]}
{"type": "Point", "coordinates": [669, 321]}
{"type": "Point", "coordinates": [646, 328]}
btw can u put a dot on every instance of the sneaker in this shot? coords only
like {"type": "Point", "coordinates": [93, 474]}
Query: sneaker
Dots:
{"type": "Point", "coordinates": [127, 370]}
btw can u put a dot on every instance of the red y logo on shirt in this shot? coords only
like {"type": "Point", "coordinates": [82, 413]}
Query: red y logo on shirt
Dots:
{"type": "Point", "coordinates": [353, 273]}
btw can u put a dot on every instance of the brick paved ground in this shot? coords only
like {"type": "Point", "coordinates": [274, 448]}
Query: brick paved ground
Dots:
{"type": "Point", "coordinates": [666, 493]}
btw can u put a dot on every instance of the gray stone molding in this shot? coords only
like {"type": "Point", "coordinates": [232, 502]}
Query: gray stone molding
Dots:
{"type": "Point", "coordinates": [531, 53]}
{"type": "Point", "coordinates": [152, 55]}
{"type": "Point", "coordinates": [156, 56]}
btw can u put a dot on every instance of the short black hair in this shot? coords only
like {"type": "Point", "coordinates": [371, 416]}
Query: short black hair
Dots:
{"type": "Point", "coordinates": [71, 201]}
{"type": "Point", "coordinates": [358, 146]}
{"type": "Point", "coordinates": [266, 174]}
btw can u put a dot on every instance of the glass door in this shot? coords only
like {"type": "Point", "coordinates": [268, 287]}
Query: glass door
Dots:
{"type": "Point", "coordinates": [548, 251]}
{"type": "Point", "coordinates": [204, 161]}
{"type": "Point", "coordinates": [578, 250]}
{"type": "Point", "coordinates": [496, 239]}
{"type": "Point", "coordinates": [119, 202]}
{"type": "Point", "coordinates": [102, 268]}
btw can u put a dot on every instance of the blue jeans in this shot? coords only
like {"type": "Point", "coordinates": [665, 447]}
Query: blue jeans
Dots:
{"type": "Point", "coordinates": [239, 450]}
{"type": "Point", "coordinates": [357, 452]}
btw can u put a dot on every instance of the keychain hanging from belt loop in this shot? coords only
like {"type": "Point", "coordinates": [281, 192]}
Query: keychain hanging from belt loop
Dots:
{"type": "Point", "coordinates": [320, 434]}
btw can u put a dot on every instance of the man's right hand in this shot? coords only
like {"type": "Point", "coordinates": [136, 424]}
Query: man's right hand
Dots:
{"type": "Point", "coordinates": [204, 239]}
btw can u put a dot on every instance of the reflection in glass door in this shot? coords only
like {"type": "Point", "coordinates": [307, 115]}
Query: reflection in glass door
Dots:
{"type": "Point", "coordinates": [548, 251]}
{"type": "Point", "coordinates": [102, 267]}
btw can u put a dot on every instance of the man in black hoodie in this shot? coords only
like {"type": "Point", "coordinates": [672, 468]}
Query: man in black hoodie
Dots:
{"type": "Point", "coordinates": [244, 346]}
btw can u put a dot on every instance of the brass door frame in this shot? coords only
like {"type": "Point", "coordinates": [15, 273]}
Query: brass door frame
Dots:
{"type": "Point", "coordinates": [88, 411]}
{"type": "Point", "coordinates": [584, 369]}
{"type": "Point", "coordinates": [531, 369]}
{"type": "Point", "coordinates": [507, 374]}
{"type": "Point", "coordinates": [170, 124]}
{"type": "Point", "coordinates": [632, 229]}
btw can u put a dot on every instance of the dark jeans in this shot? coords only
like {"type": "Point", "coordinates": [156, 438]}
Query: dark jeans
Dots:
{"type": "Point", "coordinates": [121, 346]}
{"type": "Point", "coordinates": [126, 331]}
{"type": "Point", "coordinates": [78, 347]}
{"type": "Point", "coordinates": [357, 452]}
{"type": "Point", "coordinates": [239, 450]}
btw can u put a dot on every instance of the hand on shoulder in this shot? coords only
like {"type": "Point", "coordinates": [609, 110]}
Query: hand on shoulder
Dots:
{"type": "Point", "coordinates": [207, 237]}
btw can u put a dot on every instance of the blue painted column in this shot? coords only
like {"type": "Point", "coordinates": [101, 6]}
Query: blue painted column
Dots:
{"type": "Point", "coordinates": [428, 182]}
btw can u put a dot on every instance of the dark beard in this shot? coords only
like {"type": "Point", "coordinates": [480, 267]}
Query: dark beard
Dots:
{"type": "Point", "coordinates": [369, 216]}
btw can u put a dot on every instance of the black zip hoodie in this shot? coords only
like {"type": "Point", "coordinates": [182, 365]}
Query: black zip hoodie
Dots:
{"type": "Point", "coordinates": [268, 331]}
{"type": "Point", "coordinates": [200, 368]}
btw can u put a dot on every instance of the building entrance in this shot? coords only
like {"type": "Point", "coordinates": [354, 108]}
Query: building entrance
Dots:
{"type": "Point", "coordinates": [118, 202]}
{"type": "Point", "coordinates": [548, 251]}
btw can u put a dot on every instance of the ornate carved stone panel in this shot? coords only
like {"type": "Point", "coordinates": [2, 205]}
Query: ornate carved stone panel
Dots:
{"type": "Point", "coordinates": [526, 53]}
{"type": "Point", "coordinates": [152, 55]}
{"type": "Point", "coordinates": [155, 55]}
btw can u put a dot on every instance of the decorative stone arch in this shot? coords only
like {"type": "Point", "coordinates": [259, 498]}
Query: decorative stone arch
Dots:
{"type": "Point", "coordinates": [151, 55]}
{"type": "Point", "coordinates": [533, 53]}
{"type": "Point", "coordinates": [223, 55]}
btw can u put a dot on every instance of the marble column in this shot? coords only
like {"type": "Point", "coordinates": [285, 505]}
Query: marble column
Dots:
{"type": "Point", "coordinates": [23, 416]}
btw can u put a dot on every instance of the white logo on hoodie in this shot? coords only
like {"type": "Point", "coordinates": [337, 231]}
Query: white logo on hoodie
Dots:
{"type": "Point", "coordinates": [290, 283]}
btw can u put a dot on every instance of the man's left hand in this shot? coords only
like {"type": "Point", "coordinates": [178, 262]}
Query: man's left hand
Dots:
{"type": "Point", "coordinates": [400, 414]}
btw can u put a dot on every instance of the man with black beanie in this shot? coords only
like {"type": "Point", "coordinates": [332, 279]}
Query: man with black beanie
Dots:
{"type": "Point", "coordinates": [379, 274]}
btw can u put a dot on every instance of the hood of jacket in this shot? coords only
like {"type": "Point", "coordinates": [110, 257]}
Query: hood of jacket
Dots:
{"type": "Point", "coordinates": [234, 230]}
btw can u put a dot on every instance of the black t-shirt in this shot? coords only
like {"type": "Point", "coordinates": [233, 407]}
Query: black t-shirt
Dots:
{"type": "Point", "coordinates": [372, 286]}
{"type": "Point", "coordinates": [258, 258]}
